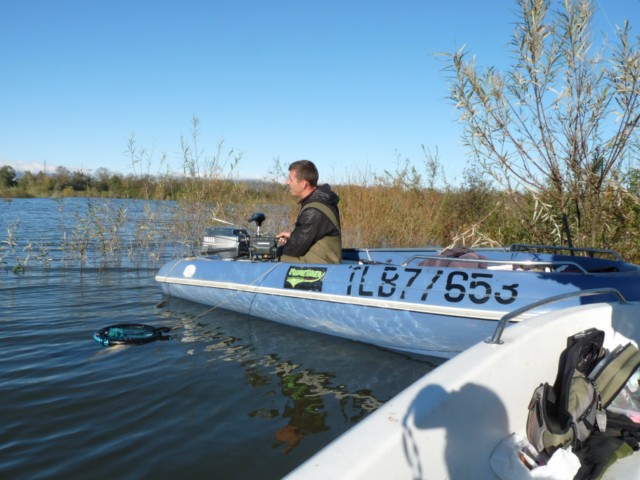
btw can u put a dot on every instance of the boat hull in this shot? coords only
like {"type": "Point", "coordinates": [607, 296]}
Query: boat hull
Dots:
{"type": "Point", "coordinates": [385, 298]}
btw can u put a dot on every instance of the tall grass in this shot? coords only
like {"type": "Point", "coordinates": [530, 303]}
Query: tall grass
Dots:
{"type": "Point", "coordinates": [105, 234]}
{"type": "Point", "coordinates": [380, 214]}
{"type": "Point", "coordinates": [408, 206]}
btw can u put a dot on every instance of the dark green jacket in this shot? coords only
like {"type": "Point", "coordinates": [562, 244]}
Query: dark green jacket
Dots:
{"type": "Point", "coordinates": [317, 236]}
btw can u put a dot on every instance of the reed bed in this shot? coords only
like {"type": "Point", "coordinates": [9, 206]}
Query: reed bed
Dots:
{"type": "Point", "coordinates": [105, 233]}
{"type": "Point", "coordinates": [412, 205]}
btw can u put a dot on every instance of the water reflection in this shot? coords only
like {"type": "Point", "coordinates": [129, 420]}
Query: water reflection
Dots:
{"type": "Point", "coordinates": [301, 383]}
{"type": "Point", "coordinates": [305, 409]}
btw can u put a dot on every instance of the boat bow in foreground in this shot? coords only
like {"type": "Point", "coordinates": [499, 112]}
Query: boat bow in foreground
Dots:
{"type": "Point", "coordinates": [447, 424]}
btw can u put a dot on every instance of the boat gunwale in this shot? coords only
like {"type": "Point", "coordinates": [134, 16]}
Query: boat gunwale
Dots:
{"type": "Point", "coordinates": [484, 315]}
{"type": "Point", "coordinates": [521, 263]}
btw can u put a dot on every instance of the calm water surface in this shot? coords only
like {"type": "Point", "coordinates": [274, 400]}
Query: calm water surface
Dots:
{"type": "Point", "coordinates": [227, 396]}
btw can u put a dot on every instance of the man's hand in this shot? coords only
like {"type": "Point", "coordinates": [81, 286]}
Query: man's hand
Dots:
{"type": "Point", "coordinates": [283, 237]}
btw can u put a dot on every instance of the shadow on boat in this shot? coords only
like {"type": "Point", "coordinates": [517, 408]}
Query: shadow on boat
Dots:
{"type": "Point", "coordinates": [482, 399]}
{"type": "Point", "coordinates": [476, 407]}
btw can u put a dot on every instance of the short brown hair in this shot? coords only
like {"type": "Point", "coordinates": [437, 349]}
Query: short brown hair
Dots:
{"type": "Point", "coordinates": [305, 170]}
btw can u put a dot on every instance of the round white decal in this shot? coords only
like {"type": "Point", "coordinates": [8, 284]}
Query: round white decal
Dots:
{"type": "Point", "coordinates": [189, 270]}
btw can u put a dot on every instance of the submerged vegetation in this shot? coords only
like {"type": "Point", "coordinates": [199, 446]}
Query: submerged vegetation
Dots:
{"type": "Point", "coordinates": [554, 161]}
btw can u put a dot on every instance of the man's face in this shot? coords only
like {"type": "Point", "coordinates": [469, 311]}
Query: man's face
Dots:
{"type": "Point", "coordinates": [296, 187]}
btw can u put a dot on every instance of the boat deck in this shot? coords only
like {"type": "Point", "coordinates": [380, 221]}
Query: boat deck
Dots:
{"type": "Point", "coordinates": [624, 469]}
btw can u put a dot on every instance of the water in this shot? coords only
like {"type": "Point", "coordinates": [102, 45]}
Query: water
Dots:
{"type": "Point", "coordinates": [226, 397]}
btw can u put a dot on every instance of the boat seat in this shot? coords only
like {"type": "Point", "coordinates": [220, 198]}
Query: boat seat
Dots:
{"type": "Point", "coordinates": [604, 270]}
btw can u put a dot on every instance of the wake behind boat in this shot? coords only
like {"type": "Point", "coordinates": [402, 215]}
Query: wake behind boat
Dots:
{"type": "Point", "coordinates": [410, 300]}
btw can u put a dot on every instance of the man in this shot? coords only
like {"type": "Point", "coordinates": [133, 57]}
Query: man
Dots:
{"type": "Point", "coordinates": [316, 237]}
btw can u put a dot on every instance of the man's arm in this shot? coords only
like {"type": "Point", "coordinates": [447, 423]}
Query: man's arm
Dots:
{"type": "Point", "coordinates": [304, 234]}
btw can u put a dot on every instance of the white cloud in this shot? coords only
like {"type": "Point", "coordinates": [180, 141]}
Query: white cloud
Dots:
{"type": "Point", "coordinates": [33, 167]}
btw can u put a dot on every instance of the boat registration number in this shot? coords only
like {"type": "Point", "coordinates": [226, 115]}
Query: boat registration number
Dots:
{"type": "Point", "coordinates": [456, 285]}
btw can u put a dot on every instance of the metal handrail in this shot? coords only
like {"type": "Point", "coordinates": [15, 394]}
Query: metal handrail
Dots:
{"type": "Point", "coordinates": [523, 263]}
{"type": "Point", "coordinates": [523, 247]}
{"type": "Point", "coordinates": [581, 293]}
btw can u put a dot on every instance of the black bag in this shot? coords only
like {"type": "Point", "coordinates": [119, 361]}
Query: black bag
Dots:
{"type": "Point", "coordinates": [565, 414]}
{"type": "Point", "coordinates": [589, 381]}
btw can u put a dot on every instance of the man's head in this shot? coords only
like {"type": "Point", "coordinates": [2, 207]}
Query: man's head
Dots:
{"type": "Point", "coordinates": [303, 178]}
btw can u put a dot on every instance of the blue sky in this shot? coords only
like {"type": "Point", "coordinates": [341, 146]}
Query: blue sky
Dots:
{"type": "Point", "coordinates": [352, 85]}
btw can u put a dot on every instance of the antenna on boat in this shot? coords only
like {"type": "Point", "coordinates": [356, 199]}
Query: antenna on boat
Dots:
{"type": "Point", "coordinates": [258, 218]}
{"type": "Point", "coordinates": [223, 221]}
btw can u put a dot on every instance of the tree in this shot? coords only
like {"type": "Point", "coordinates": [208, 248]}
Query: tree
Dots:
{"type": "Point", "coordinates": [7, 176]}
{"type": "Point", "coordinates": [61, 178]}
{"type": "Point", "coordinates": [101, 176]}
{"type": "Point", "coordinates": [555, 128]}
{"type": "Point", "coordinates": [80, 181]}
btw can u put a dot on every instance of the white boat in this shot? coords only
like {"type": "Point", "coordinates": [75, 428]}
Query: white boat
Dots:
{"type": "Point", "coordinates": [448, 424]}
{"type": "Point", "coordinates": [411, 300]}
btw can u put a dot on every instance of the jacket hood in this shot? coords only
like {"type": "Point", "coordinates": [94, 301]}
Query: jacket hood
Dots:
{"type": "Point", "coordinates": [324, 194]}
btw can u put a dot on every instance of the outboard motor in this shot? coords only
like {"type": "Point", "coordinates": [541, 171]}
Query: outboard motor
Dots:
{"type": "Point", "coordinates": [262, 248]}
{"type": "Point", "coordinates": [226, 242]}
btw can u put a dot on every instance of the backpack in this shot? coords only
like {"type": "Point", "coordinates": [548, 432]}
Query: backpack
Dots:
{"type": "Point", "coordinates": [565, 413]}
{"type": "Point", "coordinates": [611, 374]}
{"type": "Point", "coordinates": [617, 379]}
{"type": "Point", "coordinates": [588, 380]}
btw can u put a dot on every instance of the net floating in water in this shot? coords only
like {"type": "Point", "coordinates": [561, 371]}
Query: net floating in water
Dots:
{"type": "Point", "coordinates": [129, 334]}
